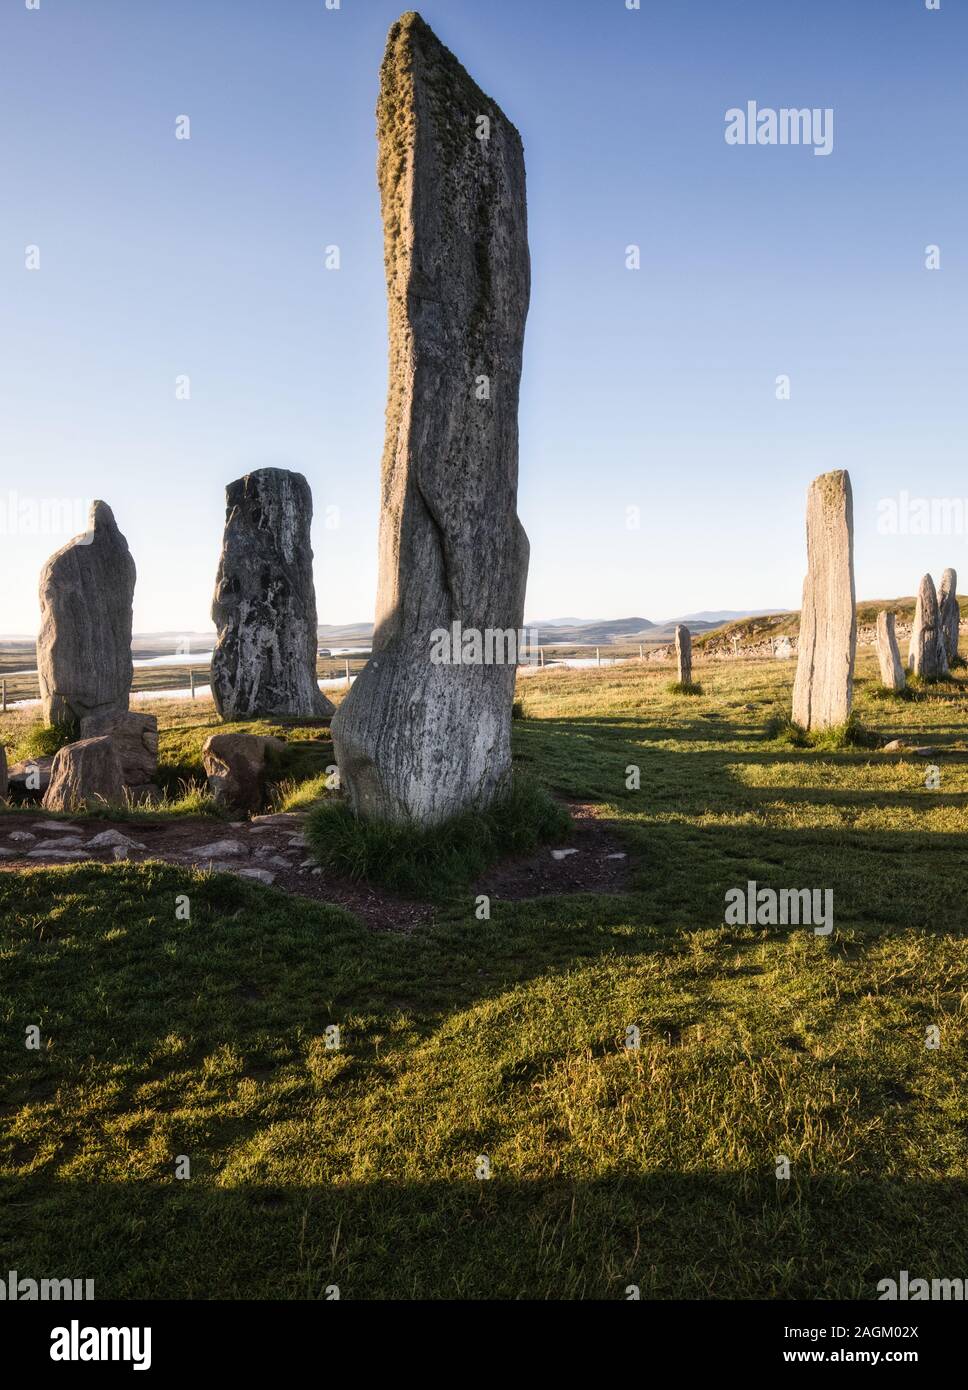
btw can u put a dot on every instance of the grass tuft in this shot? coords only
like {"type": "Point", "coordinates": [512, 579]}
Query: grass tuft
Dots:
{"type": "Point", "coordinates": [851, 734]}
{"type": "Point", "coordinates": [43, 741]}
{"type": "Point", "coordinates": [684, 688]}
{"type": "Point", "coordinates": [434, 862]}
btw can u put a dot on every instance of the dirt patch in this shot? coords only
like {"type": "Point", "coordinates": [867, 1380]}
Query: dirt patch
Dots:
{"type": "Point", "coordinates": [272, 850]}
{"type": "Point", "coordinates": [591, 860]}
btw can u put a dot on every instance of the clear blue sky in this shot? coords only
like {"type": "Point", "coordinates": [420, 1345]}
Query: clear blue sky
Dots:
{"type": "Point", "coordinates": [653, 389]}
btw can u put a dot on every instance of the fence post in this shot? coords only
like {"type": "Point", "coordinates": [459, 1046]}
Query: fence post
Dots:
{"type": "Point", "coordinates": [191, 681]}
{"type": "Point", "coordinates": [348, 681]}
{"type": "Point", "coordinates": [598, 655]}
{"type": "Point", "coordinates": [3, 695]}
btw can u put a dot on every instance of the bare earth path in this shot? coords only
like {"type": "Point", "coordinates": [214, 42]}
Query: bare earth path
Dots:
{"type": "Point", "coordinates": [272, 850]}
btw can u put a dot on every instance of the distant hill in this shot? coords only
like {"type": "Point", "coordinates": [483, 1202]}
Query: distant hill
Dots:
{"type": "Point", "coordinates": [716, 617]}
{"type": "Point", "coordinates": [761, 627]}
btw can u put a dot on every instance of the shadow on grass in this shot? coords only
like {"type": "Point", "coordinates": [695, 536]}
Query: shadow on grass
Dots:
{"type": "Point", "coordinates": [674, 1235]}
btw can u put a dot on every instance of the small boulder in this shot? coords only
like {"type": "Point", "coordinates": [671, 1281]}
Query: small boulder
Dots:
{"type": "Point", "coordinates": [31, 778]}
{"type": "Point", "coordinates": [84, 774]}
{"type": "Point", "coordinates": [135, 736]}
{"type": "Point", "coordinates": [113, 839]}
{"type": "Point", "coordinates": [222, 849]}
{"type": "Point", "coordinates": [236, 767]}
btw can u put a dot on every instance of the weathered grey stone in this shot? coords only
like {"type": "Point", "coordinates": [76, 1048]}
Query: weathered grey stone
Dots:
{"type": "Point", "coordinates": [85, 774]}
{"type": "Point", "coordinates": [264, 608]}
{"type": "Point", "coordinates": [236, 767]}
{"type": "Point", "coordinates": [823, 688]}
{"type": "Point", "coordinates": [220, 850]}
{"type": "Point", "coordinates": [927, 657]}
{"type": "Point", "coordinates": [32, 778]}
{"type": "Point", "coordinates": [949, 613]}
{"type": "Point", "coordinates": [135, 736]}
{"type": "Point", "coordinates": [113, 839]}
{"type": "Point", "coordinates": [892, 672]}
{"type": "Point", "coordinates": [684, 654]}
{"type": "Point", "coordinates": [3, 772]}
{"type": "Point", "coordinates": [84, 648]}
{"type": "Point", "coordinates": [420, 740]}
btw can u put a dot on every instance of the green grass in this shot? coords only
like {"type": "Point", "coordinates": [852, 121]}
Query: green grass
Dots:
{"type": "Point", "coordinates": [506, 1037]}
{"type": "Point", "coordinates": [39, 740]}
{"type": "Point", "coordinates": [684, 688]}
{"type": "Point", "coordinates": [437, 862]}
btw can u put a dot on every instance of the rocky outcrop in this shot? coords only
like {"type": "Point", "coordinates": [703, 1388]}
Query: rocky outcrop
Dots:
{"type": "Point", "coordinates": [888, 655]}
{"type": "Point", "coordinates": [823, 688]}
{"type": "Point", "coordinates": [683, 644]}
{"type": "Point", "coordinates": [420, 739]}
{"type": "Point", "coordinates": [949, 615]}
{"type": "Point", "coordinates": [84, 775]}
{"type": "Point", "coordinates": [84, 648]}
{"type": "Point", "coordinates": [264, 664]}
{"type": "Point", "coordinates": [236, 766]}
{"type": "Point", "coordinates": [927, 657]}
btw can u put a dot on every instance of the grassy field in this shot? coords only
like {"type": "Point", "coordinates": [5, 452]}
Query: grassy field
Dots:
{"type": "Point", "coordinates": [505, 1039]}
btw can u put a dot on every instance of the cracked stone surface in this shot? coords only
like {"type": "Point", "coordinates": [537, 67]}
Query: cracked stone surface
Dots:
{"type": "Point", "coordinates": [949, 613]}
{"type": "Point", "coordinates": [264, 608]}
{"type": "Point", "coordinates": [927, 657]}
{"type": "Point", "coordinates": [415, 740]}
{"type": "Point", "coordinates": [684, 654]}
{"type": "Point", "coordinates": [888, 654]}
{"type": "Point", "coordinates": [84, 647]}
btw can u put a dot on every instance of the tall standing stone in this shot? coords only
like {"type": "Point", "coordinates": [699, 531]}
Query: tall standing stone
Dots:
{"type": "Point", "coordinates": [684, 654]}
{"type": "Point", "coordinates": [949, 612]}
{"type": "Point", "coordinates": [264, 608]}
{"type": "Point", "coordinates": [823, 688]}
{"type": "Point", "coordinates": [84, 647]}
{"type": "Point", "coordinates": [888, 655]}
{"type": "Point", "coordinates": [926, 657]}
{"type": "Point", "coordinates": [416, 739]}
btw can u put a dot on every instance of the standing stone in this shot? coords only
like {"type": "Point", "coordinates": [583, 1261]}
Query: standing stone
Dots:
{"type": "Point", "coordinates": [949, 612]}
{"type": "Point", "coordinates": [823, 688]}
{"type": "Point", "coordinates": [264, 608]}
{"type": "Point", "coordinates": [892, 672]}
{"type": "Point", "coordinates": [684, 654]}
{"type": "Point", "coordinates": [419, 739]}
{"type": "Point", "coordinates": [84, 648]}
{"type": "Point", "coordinates": [927, 657]}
